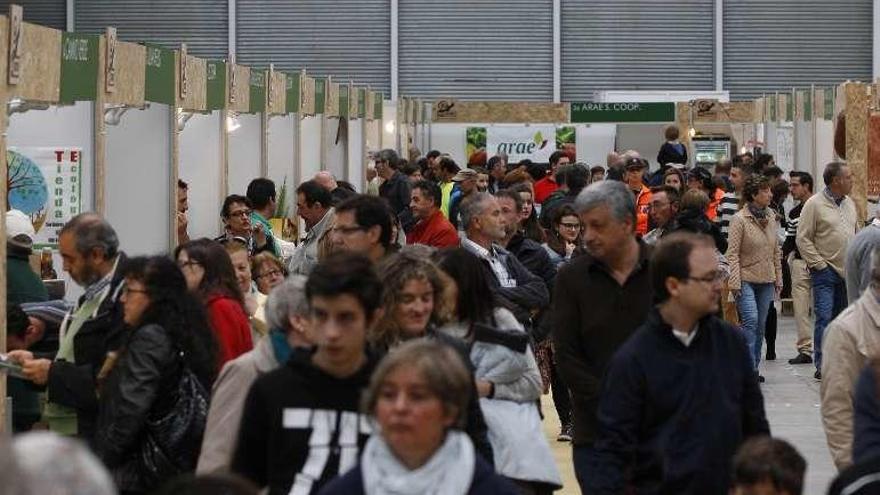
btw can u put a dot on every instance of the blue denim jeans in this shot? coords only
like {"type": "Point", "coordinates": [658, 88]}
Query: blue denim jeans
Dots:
{"type": "Point", "coordinates": [582, 458]}
{"type": "Point", "coordinates": [753, 303]}
{"type": "Point", "coordinates": [829, 299]}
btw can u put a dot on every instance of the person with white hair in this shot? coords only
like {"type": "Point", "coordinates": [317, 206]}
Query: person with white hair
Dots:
{"type": "Point", "coordinates": [287, 316]}
{"type": "Point", "coordinates": [43, 462]}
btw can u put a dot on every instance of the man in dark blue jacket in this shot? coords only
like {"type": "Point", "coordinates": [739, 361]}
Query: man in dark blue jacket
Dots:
{"type": "Point", "coordinates": [680, 395]}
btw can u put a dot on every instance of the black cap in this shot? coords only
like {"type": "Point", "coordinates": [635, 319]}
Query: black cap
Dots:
{"type": "Point", "coordinates": [633, 163]}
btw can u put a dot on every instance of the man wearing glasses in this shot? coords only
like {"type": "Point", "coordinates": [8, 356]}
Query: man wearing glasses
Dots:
{"type": "Point", "coordinates": [681, 395]}
{"type": "Point", "coordinates": [363, 226]}
{"type": "Point", "coordinates": [663, 209]}
{"type": "Point", "coordinates": [236, 216]}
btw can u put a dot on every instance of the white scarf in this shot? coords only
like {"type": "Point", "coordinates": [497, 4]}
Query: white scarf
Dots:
{"type": "Point", "coordinates": [450, 470]}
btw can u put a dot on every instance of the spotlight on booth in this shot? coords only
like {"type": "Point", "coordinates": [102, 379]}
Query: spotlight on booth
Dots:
{"type": "Point", "coordinates": [389, 127]}
{"type": "Point", "coordinates": [113, 114]}
{"type": "Point", "coordinates": [18, 105]}
{"type": "Point", "coordinates": [182, 118]}
{"type": "Point", "coordinates": [232, 123]}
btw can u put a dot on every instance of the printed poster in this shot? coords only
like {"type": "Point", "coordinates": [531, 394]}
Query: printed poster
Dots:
{"type": "Point", "coordinates": [46, 184]}
{"type": "Point", "coordinates": [535, 143]}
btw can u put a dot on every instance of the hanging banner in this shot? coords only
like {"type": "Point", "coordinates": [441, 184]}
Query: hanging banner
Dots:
{"type": "Point", "coordinates": [784, 155]}
{"type": "Point", "coordinates": [79, 67]}
{"type": "Point", "coordinates": [293, 92]}
{"type": "Point", "coordinates": [534, 142]}
{"type": "Point", "coordinates": [343, 100]}
{"type": "Point", "coordinates": [159, 81]}
{"type": "Point", "coordinates": [591, 112]}
{"type": "Point", "coordinates": [320, 95]}
{"type": "Point", "coordinates": [377, 105]}
{"type": "Point", "coordinates": [362, 103]}
{"type": "Point", "coordinates": [215, 85]}
{"type": "Point", "coordinates": [45, 184]}
{"type": "Point", "coordinates": [257, 103]}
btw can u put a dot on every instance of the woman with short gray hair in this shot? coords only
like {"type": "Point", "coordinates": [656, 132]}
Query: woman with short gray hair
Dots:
{"type": "Point", "coordinates": [287, 317]}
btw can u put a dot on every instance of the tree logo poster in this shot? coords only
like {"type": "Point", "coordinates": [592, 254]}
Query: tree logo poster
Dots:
{"type": "Point", "coordinates": [46, 184]}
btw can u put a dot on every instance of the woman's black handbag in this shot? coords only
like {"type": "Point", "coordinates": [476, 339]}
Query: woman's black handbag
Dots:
{"type": "Point", "coordinates": [172, 440]}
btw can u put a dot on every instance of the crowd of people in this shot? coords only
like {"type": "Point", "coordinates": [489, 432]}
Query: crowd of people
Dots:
{"type": "Point", "coordinates": [403, 342]}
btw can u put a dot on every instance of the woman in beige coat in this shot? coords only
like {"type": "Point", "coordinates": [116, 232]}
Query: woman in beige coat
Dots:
{"type": "Point", "coordinates": [755, 262]}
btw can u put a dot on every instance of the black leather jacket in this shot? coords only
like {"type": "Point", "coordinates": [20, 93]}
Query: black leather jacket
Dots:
{"type": "Point", "coordinates": [143, 381]}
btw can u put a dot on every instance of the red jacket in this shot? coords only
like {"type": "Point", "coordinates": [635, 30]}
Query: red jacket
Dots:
{"type": "Point", "coordinates": [435, 231]}
{"type": "Point", "coordinates": [544, 188]}
{"type": "Point", "coordinates": [231, 328]}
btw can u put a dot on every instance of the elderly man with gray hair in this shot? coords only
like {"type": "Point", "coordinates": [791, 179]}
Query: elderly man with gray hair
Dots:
{"type": "Point", "coordinates": [851, 340]}
{"type": "Point", "coordinates": [484, 227]}
{"type": "Point", "coordinates": [90, 250]}
{"type": "Point", "coordinates": [287, 315]}
{"type": "Point", "coordinates": [599, 300]}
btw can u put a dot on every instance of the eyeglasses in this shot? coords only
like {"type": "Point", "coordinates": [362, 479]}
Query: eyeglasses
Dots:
{"type": "Point", "coordinates": [712, 278]}
{"type": "Point", "coordinates": [346, 230]}
{"type": "Point", "coordinates": [240, 213]}
{"type": "Point", "coordinates": [572, 226]}
{"type": "Point", "coordinates": [270, 273]}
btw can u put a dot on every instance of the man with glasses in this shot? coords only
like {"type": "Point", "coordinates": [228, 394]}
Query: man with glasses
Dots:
{"type": "Point", "coordinates": [683, 375]}
{"type": "Point", "coordinates": [363, 226]}
{"type": "Point", "coordinates": [663, 209]}
{"type": "Point", "coordinates": [236, 216]}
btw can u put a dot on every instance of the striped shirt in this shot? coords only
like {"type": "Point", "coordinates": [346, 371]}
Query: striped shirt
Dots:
{"type": "Point", "coordinates": [727, 208]}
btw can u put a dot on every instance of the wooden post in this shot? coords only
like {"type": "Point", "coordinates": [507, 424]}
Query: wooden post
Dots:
{"type": "Point", "coordinates": [855, 107]}
{"type": "Point", "coordinates": [100, 132]}
{"type": "Point", "coordinates": [175, 147]}
{"type": "Point", "coordinates": [4, 123]}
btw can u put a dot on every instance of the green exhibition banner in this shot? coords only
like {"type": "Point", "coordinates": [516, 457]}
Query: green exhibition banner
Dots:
{"type": "Point", "coordinates": [159, 80]}
{"type": "Point", "coordinates": [789, 108]}
{"type": "Point", "coordinates": [377, 106]}
{"type": "Point", "coordinates": [773, 107]}
{"type": "Point", "coordinates": [216, 85]}
{"type": "Point", "coordinates": [807, 98]}
{"type": "Point", "coordinates": [829, 103]}
{"type": "Point", "coordinates": [320, 95]}
{"type": "Point", "coordinates": [293, 92]}
{"type": "Point", "coordinates": [362, 102]}
{"type": "Point", "coordinates": [258, 91]}
{"type": "Point", "coordinates": [591, 112]}
{"type": "Point", "coordinates": [79, 67]}
{"type": "Point", "coordinates": [343, 101]}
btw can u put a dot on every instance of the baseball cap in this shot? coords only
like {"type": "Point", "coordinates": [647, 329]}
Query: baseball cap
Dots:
{"type": "Point", "coordinates": [19, 229]}
{"type": "Point", "coordinates": [635, 164]}
{"type": "Point", "coordinates": [465, 174]}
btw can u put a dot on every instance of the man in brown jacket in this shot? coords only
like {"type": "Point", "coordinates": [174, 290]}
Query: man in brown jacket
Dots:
{"type": "Point", "coordinates": [600, 299]}
{"type": "Point", "coordinates": [828, 223]}
{"type": "Point", "coordinates": [852, 338]}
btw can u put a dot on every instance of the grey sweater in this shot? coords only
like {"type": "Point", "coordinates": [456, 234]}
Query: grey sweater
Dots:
{"type": "Point", "coordinates": [858, 260]}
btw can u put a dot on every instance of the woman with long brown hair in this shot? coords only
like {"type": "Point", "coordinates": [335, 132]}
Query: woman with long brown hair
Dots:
{"type": "Point", "coordinates": [209, 274]}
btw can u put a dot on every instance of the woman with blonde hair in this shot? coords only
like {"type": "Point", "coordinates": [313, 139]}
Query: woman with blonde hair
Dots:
{"type": "Point", "coordinates": [417, 299]}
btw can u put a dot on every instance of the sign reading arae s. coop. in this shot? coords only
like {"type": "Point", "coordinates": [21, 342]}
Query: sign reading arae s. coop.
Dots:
{"type": "Point", "coordinates": [593, 112]}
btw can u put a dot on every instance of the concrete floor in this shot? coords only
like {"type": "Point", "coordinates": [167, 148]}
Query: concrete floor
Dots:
{"type": "Point", "coordinates": [791, 399]}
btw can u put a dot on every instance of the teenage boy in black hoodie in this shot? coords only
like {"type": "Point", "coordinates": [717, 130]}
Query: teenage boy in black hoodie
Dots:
{"type": "Point", "coordinates": [301, 425]}
{"type": "Point", "coordinates": [680, 395]}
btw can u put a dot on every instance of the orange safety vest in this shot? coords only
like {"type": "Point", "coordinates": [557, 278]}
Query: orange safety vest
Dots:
{"type": "Point", "coordinates": [643, 204]}
{"type": "Point", "coordinates": [712, 209]}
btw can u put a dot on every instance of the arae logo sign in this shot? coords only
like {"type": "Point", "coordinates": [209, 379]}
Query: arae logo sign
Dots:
{"type": "Point", "coordinates": [523, 148]}
{"type": "Point", "coordinates": [535, 143]}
